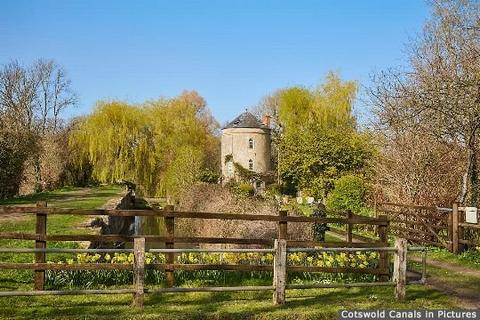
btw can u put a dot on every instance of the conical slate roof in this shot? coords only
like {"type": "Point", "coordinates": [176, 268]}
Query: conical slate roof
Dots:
{"type": "Point", "coordinates": [246, 120]}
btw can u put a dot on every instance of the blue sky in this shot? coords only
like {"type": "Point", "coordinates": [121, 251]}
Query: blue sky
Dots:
{"type": "Point", "coordinates": [231, 52]}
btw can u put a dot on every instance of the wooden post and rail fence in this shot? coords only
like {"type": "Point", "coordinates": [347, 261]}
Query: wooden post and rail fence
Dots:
{"type": "Point", "coordinates": [430, 225]}
{"type": "Point", "coordinates": [279, 247]}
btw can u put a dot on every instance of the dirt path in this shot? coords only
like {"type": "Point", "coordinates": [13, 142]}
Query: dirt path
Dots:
{"type": "Point", "coordinates": [449, 266]}
{"type": "Point", "coordinates": [467, 292]}
{"type": "Point", "coordinates": [468, 298]}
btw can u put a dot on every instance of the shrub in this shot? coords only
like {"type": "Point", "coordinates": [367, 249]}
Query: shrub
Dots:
{"type": "Point", "coordinates": [273, 190]}
{"type": "Point", "coordinates": [246, 188]}
{"type": "Point", "coordinates": [243, 173]}
{"type": "Point", "coordinates": [15, 149]}
{"type": "Point", "coordinates": [209, 176]}
{"type": "Point", "coordinates": [348, 194]}
{"type": "Point", "coordinates": [243, 189]}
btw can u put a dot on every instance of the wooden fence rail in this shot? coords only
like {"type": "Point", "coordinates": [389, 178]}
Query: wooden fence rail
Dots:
{"type": "Point", "coordinates": [442, 227]}
{"type": "Point", "coordinates": [282, 245]}
{"type": "Point", "coordinates": [280, 270]}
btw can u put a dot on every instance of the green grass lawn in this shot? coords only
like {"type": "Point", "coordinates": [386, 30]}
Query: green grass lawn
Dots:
{"type": "Point", "coordinates": [69, 197]}
{"type": "Point", "coordinates": [80, 198]}
{"type": "Point", "coordinates": [470, 258]}
{"type": "Point", "coordinates": [301, 304]}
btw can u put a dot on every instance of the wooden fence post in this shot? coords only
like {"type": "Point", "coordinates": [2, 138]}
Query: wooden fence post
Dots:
{"type": "Point", "coordinates": [455, 233]}
{"type": "Point", "coordinates": [400, 268]}
{"type": "Point", "coordinates": [461, 230]}
{"type": "Point", "coordinates": [282, 225]}
{"type": "Point", "coordinates": [41, 231]}
{"type": "Point", "coordinates": [170, 257]}
{"type": "Point", "coordinates": [450, 230]}
{"type": "Point", "coordinates": [139, 271]}
{"type": "Point", "coordinates": [349, 234]}
{"type": "Point", "coordinates": [383, 256]}
{"type": "Point", "coordinates": [280, 271]}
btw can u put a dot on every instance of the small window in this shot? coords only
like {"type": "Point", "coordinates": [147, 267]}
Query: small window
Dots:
{"type": "Point", "coordinates": [250, 164]}
{"type": "Point", "coordinates": [250, 143]}
{"type": "Point", "coordinates": [230, 168]}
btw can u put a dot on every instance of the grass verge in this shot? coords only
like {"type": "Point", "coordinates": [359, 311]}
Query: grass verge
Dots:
{"type": "Point", "coordinates": [301, 304]}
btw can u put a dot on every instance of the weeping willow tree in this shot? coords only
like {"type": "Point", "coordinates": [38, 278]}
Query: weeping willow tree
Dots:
{"type": "Point", "coordinates": [327, 106]}
{"type": "Point", "coordinates": [161, 145]}
{"type": "Point", "coordinates": [319, 141]}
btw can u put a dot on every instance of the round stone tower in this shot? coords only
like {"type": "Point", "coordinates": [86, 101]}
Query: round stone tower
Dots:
{"type": "Point", "coordinates": [245, 141]}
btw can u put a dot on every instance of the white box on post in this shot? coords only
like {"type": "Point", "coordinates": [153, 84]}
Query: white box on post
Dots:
{"type": "Point", "coordinates": [471, 215]}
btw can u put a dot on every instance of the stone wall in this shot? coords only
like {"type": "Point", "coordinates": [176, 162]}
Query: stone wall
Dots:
{"type": "Point", "coordinates": [235, 142]}
{"type": "Point", "coordinates": [116, 225]}
{"type": "Point", "coordinates": [123, 225]}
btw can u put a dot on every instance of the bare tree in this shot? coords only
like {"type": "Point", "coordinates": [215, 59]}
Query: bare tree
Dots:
{"type": "Point", "coordinates": [417, 168]}
{"type": "Point", "coordinates": [439, 94]}
{"type": "Point", "coordinates": [31, 97]}
{"type": "Point", "coordinates": [31, 101]}
{"type": "Point", "coordinates": [18, 89]}
{"type": "Point", "coordinates": [54, 93]}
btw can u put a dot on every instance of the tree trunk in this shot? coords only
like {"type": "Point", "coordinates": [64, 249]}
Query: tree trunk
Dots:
{"type": "Point", "coordinates": [473, 178]}
{"type": "Point", "coordinates": [470, 178]}
{"type": "Point", "coordinates": [38, 174]}
{"type": "Point", "coordinates": [463, 194]}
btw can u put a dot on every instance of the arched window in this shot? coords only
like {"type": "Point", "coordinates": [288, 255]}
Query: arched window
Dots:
{"type": "Point", "coordinates": [229, 168]}
{"type": "Point", "coordinates": [250, 143]}
{"type": "Point", "coordinates": [250, 164]}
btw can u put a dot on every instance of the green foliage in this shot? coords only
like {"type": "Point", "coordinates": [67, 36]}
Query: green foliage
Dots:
{"type": "Point", "coordinates": [246, 188]}
{"type": "Point", "coordinates": [349, 194]}
{"type": "Point", "coordinates": [183, 170]}
{"type": "Point", "coordinates": [74, 175]}
{"type": "Point", "coordinates": [243, 189]}
{"type": "Point", "coordinates": [161, 145]}
{"type": "Point", "coordinates": [273, 190]}
{"type": "Point", "coordinates": [320, 141]}
{"type": "Point", "coordinates": [243, 173]}
{"type": "Point", "coordinates": [228, 158]}
{"type": "Point", "coordinates": [329, 105]}
{"type": "Point", "coordinates": [209, 176]}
